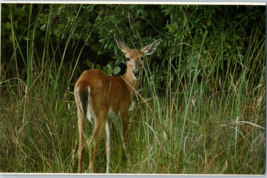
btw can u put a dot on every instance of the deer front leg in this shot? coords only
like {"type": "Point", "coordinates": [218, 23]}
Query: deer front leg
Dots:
{"type": "Point", "coordinates": [124, 133]}
{"type": "Point", "coordinates": [108, 143]}
{"type": "Point", "coordinates": [93, 143]}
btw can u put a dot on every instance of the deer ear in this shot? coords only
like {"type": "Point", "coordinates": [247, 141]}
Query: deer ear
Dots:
{"type": "Point", "coordinates": [120, 44]}
{"type": "Point", "coordinates": [151, 48]}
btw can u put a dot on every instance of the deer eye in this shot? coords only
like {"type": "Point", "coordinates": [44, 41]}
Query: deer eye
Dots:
{"type": "Point", "coordinates": [128, 59]}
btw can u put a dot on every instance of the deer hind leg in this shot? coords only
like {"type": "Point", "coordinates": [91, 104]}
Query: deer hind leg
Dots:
{"type": "Point", "coordinates": [81, 140]}
{"type": "Point", "coordinates": [97, 133]}
{"type": "Point", "coordinates": [81, 99]}
{"type": "Point", "coordinates": [108, 135]}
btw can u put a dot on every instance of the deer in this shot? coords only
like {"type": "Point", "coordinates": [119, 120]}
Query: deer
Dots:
{"type": "Point", "coordinates": [101, 98]}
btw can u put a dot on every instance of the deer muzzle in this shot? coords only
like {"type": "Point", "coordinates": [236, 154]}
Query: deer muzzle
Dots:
{"type": "Point", "coordinates": [136, 73]}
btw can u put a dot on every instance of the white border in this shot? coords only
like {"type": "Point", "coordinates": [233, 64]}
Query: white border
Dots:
{"type": "Point", "coordinates": [168, 2]}
{"type": "Point", "coordinates": [33, 175]}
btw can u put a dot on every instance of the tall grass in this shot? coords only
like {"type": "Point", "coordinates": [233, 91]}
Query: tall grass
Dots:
{"type": "Point", "coordinates": [215, 125]}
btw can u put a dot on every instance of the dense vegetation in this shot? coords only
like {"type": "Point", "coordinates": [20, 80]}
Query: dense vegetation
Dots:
{"type": "Point", "coordinates": [201, 107]}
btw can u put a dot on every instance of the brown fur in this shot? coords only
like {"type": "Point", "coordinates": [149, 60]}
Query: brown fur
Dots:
{"type": "Point", "coordinates": [106, 93]}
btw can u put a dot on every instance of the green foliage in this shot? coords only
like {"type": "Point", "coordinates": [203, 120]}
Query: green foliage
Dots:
{"type": "Point", "coordinates": [187, 31]}
{"type": "Point", "coordinates": [63, 18]}
{"type": "Point", "coordinates": [209, 31]}
{"type": "Point", "coordinates": [109, 69]}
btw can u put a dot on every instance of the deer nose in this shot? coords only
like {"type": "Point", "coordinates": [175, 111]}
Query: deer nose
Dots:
{"type": "Point", "coordinates": [136, 73]}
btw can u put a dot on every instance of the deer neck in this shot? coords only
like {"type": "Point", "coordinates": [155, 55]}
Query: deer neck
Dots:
{"type": "Point", "coordinates": [131, 84]}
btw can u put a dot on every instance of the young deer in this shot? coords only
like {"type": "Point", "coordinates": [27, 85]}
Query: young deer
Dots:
{"type": "Point", "coordinates": [103, 98]}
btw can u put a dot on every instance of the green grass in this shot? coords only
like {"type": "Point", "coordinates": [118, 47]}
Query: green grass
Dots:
{"type": "Point", "coordinates": [210, 125]}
